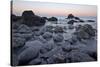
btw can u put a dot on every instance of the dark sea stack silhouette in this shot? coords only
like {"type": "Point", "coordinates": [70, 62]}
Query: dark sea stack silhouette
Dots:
{"type": "Point", "coordinates": [90, 21]}
{"type": "Point", "coordinates": [30, 19]}
{"type": "Point", "coordinates": [52, 19]}
{"type": "Point", "coordinates": [70, 16]}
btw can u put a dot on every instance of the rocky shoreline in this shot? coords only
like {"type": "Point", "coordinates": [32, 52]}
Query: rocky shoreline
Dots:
{"type": "Point", "coordinates": [34, 43]}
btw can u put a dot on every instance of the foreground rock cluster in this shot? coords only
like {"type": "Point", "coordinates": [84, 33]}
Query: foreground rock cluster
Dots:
{"type": "Point", "coordinates": [33, 43]}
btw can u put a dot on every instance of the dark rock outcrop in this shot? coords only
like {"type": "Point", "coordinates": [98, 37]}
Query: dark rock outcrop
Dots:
{"type": "Point", "coordinates": [71, 22]}
{"type": "Point", "coordinates": [30, 19]}
{"type": "Point", "coordinates": [70, 16]}
{"type": "Point", "coordinates": [77, 18]}
{"type": "Point", "coordinates": [52, 19]}
{"type": "Point", "coordinates": [45, 18]}
{"type": "Point", "coordinates": [15, 18]}
{"type": "Point", "coordinates": [90, 21]}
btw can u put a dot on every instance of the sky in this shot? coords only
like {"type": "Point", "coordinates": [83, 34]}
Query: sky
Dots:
{"type": "Point", "coordinates": [53, 9]}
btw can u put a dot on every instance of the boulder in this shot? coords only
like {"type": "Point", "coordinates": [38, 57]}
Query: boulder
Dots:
{"type": "Point", "coordinates": [59, 58]}
{"type": "Point", "coordinates": [25, 36]}
{"type": "Point", "coordinates": [49, 45]}
{"type": "Point", "coordinates": [24, 29]}
{"type": "Point", "coordinates": [58, 29]}
{"type": "Point", "coordinates": [36, 61]}
{"type": "Point", "coordinates": [89, 29]}
{"type": "Point", "coordinates": [34, 44]}
{"type": "Point", "coordinates": [49, 29]}
{"type": "Point", "coordinates": [45, 18]}
{"type": "Point", "coordinates": [90, 21]}
{"type": "Point", "coordinates": [27, 55]}
{"type": "Point", "coordinates": [58, 38]}
{"type": "Point", "coordinates": [47, 35]}
{"type": "Point", "coordinates": [71, 22]}
{"type": "Point", "coordinates": [15, 25]}
{"type": "Point", "coordinates": [77, 18]}
{"type": "Point", "coordinates": [52, 19]}
{"type": "Point", "coordinates": [81, 20]}
{"type": "Point", "coordinates": [50, 53]}
{"type": "Point", "coordinates": [85, 32]}
{"type": "Point", "coordinates": [77, 56]}
{"type": "Point", "coordinates": [18, 42]}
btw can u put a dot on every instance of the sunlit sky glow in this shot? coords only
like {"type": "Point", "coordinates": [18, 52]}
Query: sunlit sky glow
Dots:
{"type": "Point", "coordinates": [53, 9]}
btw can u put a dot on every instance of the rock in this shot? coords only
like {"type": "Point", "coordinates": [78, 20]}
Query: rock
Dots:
{"type": "Point", "coordinates": [71, 22]}
{"type": "Point", "coordinates": [47, 35]}
{"type": "Point", "coordinates": [15, 18]}
{"type": "Point", "coordinates": [85, 32]}
{"type": "Point", "coordinates": [82, 35]}
{"type": "Point", "coordinates": [76, 56]}
{"type": "Point", "coordinates": [49, 45]}
{"type": "Point", "coordinates": [15, 25]}
{"type": "Point", "coordinates": [50, 60]}
{"type": "Point", "coordinates": [58, 29]}
{"type": "Point", "coordinates": [66, 47]}
{"type": "Point", "coordinates": [49, 29]}
{"type": "Point", "coordinates": [70, 16]}
{"type": "Point", "coordinates": [90, 21]}
{"type": "Point", "coordinates": [36, 61]}
{"type": "Point", "coordinates": [71, 27]}
{"type": "Point", "coordinates": [52, 19]}
{"type": "Point", "coordinates": [46, 29]}
{"type": "Point", "coordinates": [34, 44]}
{"type": "Point", "coordinates": [77, 18]}
{"type": "Point", "coordinates": [81, 20]}
{"type": "Point", "coordinates": [89, 29]}
{"type": "Point", "coordinates": [27, 55]}
{"type": "Point", "coordinates": [26, 36]}
{"type": "Point", "coordinates": [58, 38]}
{"type": "Point", "coordinates": [78, 27]}
{"type": "Point", "coordinates": [45, 18]}
{"type": "Point", "coordinates": [24, 29]}
{"type": "Point", "coordinates": [30, 19]}
{"type": "Point", "coordinates": [18, 42]}
{"type": "Point", "coordinates": [51, 53]}
{"type": "Point", "coordinates": [59, 58]}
